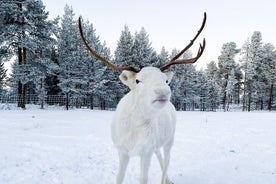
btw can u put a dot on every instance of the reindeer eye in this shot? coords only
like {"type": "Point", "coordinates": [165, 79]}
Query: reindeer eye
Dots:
{"type": "Point", "coordinates": [167, 81]}
{"type": "Point", "coordinates": [137, 81]}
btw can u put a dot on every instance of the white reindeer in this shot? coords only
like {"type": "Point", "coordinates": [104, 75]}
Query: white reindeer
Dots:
{"type": "Point", "coordinates": [145, 119]}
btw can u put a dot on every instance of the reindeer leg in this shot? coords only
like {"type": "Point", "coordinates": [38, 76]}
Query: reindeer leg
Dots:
{"type": "Point", "coordinates": [123, 159]}
{"type": "Point", "coordinates": [166, 161]}
{"type": "Point", "coordinates": [160, 159]}
{"type": "Point", "coordinates": [145, 163]}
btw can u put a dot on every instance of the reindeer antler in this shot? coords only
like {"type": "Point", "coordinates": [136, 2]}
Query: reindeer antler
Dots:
{"type": "Point", "coordinates": [174, 60]}
{"type": "Point", "coordinates": [99, 57]}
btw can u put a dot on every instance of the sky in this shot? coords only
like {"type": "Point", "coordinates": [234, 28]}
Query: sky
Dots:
{"type": "Point", "coordinates": [173, 23]}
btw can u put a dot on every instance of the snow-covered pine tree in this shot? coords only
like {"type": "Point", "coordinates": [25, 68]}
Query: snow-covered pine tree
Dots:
{"type": "Point", "coordinates": [123, 52]}
{"type": "Point", "coordinates": [183, 85]}
{"type": "Point", "coordinates": [213, 79]}
{"type": "Point", "coordinates": [269, 68]}
{"type": "Point", "coordinates": [142, 50]}
{"type": "Point", "coordinates": [230, 88]}
{"type": "Point", "coordinates": [163, 57]}
{"type": "Point", "coordinates": [212, 71]}
{"type": "Point", "coordinates": [68, 56]}
{"type": "Point", "coordinates": [254, 64]}
{"type": "Point", "coordinates": [258, 80]}
{"type": "Point", "coordinates": [213, 95]}
{"type": "Point", "coordinates": [38, 71]}
{"type": "Point", "coordinates": [52, 80]}
{"type": "Point", "coordinates": [24, 28]}
{"type": "Point", "coordinates": [105, 80]}
{"type": "Point", "coordinates": [98, 79]}
{"type": "Point", "coordinates": [108, 84]}
{"type": "Point", "coordinates": [203, 88]}
{"type": "Point", "coordinates": [83, 82]}
{"type": "Point", "coordinates": [123, 57]}
{"type": "Point", "coordinates": [81, 76]}
{"type": "Point", "coordinates": [246, 67]}
{"type": "Point", "coordinates": [88, 63]}
{"type": "Point", "coordinates": [226, 63]}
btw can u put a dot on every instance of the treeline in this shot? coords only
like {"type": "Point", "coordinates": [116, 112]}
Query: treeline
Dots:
{"type": "Point", "coordinates": [50, 59]}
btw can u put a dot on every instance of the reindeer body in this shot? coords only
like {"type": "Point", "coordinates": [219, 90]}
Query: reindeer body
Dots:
{"type": "Point", "coordinates": [135, 131]}
{"type": "Point", "coordinates": [144, 121]}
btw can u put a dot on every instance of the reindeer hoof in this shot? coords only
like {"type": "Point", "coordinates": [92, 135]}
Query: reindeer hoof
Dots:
{"type": "Point", "coordinates": [168, 181]}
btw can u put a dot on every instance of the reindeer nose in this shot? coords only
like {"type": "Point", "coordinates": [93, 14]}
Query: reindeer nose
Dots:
{"type": "Point", "coordinates": [162, 91]}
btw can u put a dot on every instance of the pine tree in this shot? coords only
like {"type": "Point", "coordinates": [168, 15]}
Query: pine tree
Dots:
{"type": "Point", "coordinates": [255, 66]}
{"type": "Point", "coordinates": [213, 95]}
{"type": "Point", "coordinates": [203, 88]}
{"type": "Point", "coordinates": [269, 68]}
{"type": "Point", "coordinates": [105, 80]}
{"type": "Point", "coordinates": [97, 79]}
{"type": "Point", "coordinates": [183, 85]}
{"type": "Point", "coordinates": [212, 71]}
{"type": "Point", "coordinates": [230, 88]}
{"type": "Point", "coordinates": [24, 29]}
{"type": "Point", "coordinates": [52, 80]}
{"type": "Point", "coordinates": [81, 76]}
{"type": "Point", "coordinates": [142, 50]}
{"type": "Point", "coordinates": [246, 67]}
{"type": "Point", "coordinates": [123, 57]}
{"type": "Point", "coordinates": [68, 61]}
{"type": "Point", "coordinates": [123, 52]}
{"type": "Point", "coordinates": [163, 57]}
{"type": "Point", "coordinates": [212, 74]}
{"type": "Point", "coordinates": [226, 62]}
{"type": "Point", "coordinates": [38, 71]}
{"type": "Point", "coordinates": [256, 59]}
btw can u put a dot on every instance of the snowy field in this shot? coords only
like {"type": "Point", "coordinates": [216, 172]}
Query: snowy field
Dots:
{"type": "Point", "coordinates": [74, 147]}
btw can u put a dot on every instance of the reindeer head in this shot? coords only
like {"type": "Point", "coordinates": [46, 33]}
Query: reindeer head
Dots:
{"type": "Point", "coordinates": [150, 86]}
{"type": "Point", "coordinates": [150, 83]}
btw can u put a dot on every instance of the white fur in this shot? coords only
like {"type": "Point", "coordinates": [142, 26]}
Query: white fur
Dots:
{"type": "Point", "coordinates": [144, 121]}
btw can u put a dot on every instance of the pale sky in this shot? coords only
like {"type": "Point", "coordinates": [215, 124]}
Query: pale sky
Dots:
{"type": "Point", "coordinates": [173, 23]}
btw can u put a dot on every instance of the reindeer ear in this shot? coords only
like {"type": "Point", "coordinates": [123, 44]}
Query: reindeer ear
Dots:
{"type": "Point", "coordinates": [128, 78]}
{"type": "Point", "coordinates": [169, 76]}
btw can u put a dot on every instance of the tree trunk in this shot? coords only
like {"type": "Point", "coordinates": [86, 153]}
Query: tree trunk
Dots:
{"type": "Point", "coordinates": [270, 97]}
{"type": "Point", "coordinates": [91, 102]}
{"type": "Point", "coordinates": [244, 100]}
{"type": "Point", "coordinates": [20, 85]}
{"type": "Point", "coordinates": [238, 95]}
{"type": "Point", "coordinates": [24, 90]}
{"type": "Point", "coordinates": [249, 102]}
{"type": "Point", "coordinates": [67, 101]}
{"type": "Point", "coordinates": [224, 101]}
{"type": "Point", "coordinates": [42, 99]}
{"type": "Point", "coordinates": [22, 59]}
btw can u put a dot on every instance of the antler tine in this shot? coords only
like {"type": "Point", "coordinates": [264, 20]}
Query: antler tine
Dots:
{"type": "Point", "coordinates": [99, 57]}
{"type": "Point", "coordinates": [174, 60]}
{"type": "Point", "coordinates": [186, 61]}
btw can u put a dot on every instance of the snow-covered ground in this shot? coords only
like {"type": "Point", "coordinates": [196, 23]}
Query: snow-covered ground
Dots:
{"type": "Point", "coordinates": [74, 147]}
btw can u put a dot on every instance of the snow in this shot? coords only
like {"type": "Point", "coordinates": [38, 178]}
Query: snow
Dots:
{"type": "Point", "coordinates": [55, 146]}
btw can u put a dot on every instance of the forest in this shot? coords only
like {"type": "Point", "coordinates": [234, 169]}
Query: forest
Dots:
{"type": "Point", "coordinates": [51, 65]}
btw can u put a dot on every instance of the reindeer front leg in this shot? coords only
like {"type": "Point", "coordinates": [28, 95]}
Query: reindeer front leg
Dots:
{"type": "Point", "coordinates": [123, 159]}
{"type": "Point", "coordinates": [145, 163]}
{"type": "Point", "coordinates": [166, 161]}
{"type": "Point", "coordinates": [165, 179]}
